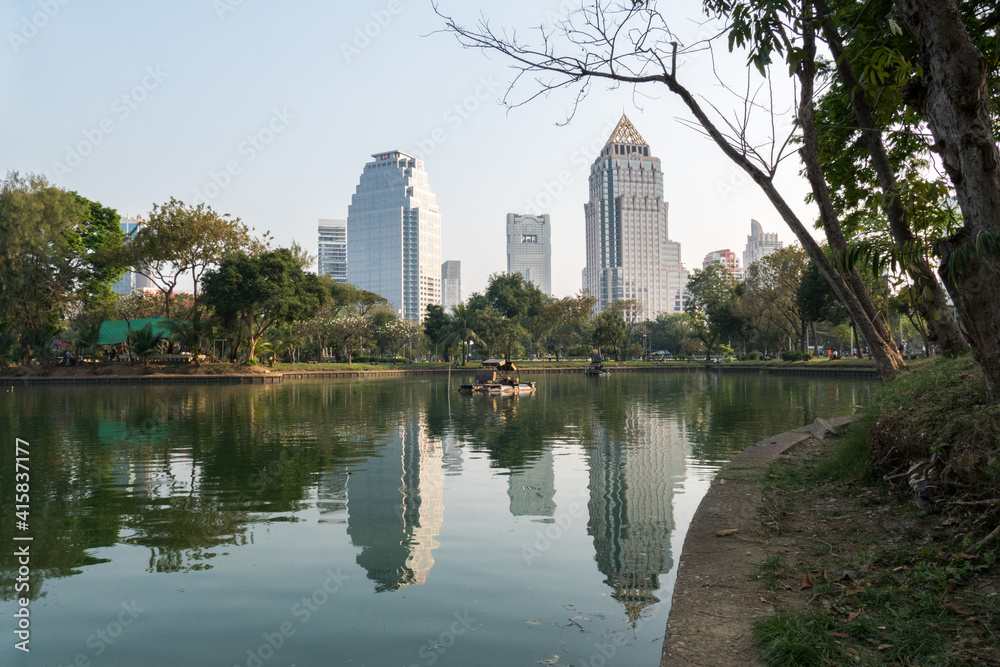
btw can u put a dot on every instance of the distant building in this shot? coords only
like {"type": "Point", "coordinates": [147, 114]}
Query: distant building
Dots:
{"type": "Point", "coordinates": [332, 259]}
{"type": "Point", "coordinates": [759, 244]}
{"type": "Point", "coordinates": [394, 235]}
{"type": "Point", "coordinates": [451, 284]}
{"type": "Point", "coordinates": [529, 249]}
{"type": "Point", "coordinates": [726, 258]}
{"type": "Point", "coordinates": [131, 281]}
{"type": "Point", "coordinates": [629, 254]}
{"type": "Point", "coordinates": [677, 295]}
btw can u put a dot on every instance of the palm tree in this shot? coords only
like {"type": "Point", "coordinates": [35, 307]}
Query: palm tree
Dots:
{"type": "Point", "coordinates": [461, 328]}
{"type": "Point", "coordinates": [144, 343]}
{"type": "Point", "coordinates": [193, 335]}
{"type": "Point", "coordinates": [86, 337]}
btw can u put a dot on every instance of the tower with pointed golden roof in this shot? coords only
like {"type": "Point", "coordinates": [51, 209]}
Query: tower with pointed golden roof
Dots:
{"type": "Point", "coordinates": [629, 253]}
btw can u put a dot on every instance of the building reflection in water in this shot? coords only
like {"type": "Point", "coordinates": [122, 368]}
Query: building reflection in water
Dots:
{"type": "Point", "coordinates": [532, 489]}
{"type": "Point", "coordinates": [395, 507]}
{"type": "Point", "coordinates": [632, 473]}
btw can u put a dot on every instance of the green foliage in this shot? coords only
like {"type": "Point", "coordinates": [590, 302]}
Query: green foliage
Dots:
{"type": "Point", "coordinates": [144, 343]}
{"type": "Point", "coordinates": [252, 293]}
{"type": "Point", "coordinates": [712, 305]}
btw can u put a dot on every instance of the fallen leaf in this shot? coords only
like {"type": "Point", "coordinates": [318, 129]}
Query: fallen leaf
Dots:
{"type": "Point", "coordinates": [882, 647]}
{"type": "Point", "coordinates": [852, 651]}
{"type": "Point", "coordinates": [853, 615]}
{"type": "Point", "coordinates": [842, 635]}
{"type": "Point", "coordinates": [964, 556]}
{"type": "Point", "coordinates": [958, 610]}
{"type": "Point", "coordinates": [951, 588]}
{"type": "Point", "coordinates": [976, 641]}
{"type": "Point", "coordinates": [807, 582]}
{"type": "Point", "coordinates": [727, 532]}
{"type": "Point", "coordinates": [854, 591]}
{"type": "Point", "coordinates": [826, 577]}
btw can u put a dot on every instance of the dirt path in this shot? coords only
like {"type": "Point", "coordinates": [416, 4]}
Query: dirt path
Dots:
{"type": "Point", "coordinates": [715, 600]}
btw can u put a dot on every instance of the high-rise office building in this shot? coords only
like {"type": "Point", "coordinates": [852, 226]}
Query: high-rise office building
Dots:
{"type": "Point", "coordinates": [451, 284]}
{"type": "Point", "coordinates": [759, 244]}
{"type": "Point", "coordinates": [394, 234]}
{"type": "Point", "coordinates": [529, 249]}
{"type": "Point", "coordinates": [332, 258]}
{"type": "Point", "coordinates": [130, 281]}
{"type": "Point", "coordinates": [629, 254]}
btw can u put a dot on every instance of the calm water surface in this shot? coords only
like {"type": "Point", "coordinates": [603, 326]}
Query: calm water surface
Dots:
{"type": "Point", "coordinates": [371, 522]}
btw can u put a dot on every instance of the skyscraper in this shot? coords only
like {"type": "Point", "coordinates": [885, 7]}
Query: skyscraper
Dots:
{"type": "Point", "coordinates": [759, 244]}
{"type": "Point", "coordinates": [529, 249]}
{"type": "Point", "coordinates": [451, 284]}
{"type": "Point", "coordinates": [629, 254]}
{"type": "Point", "coordinates": [394, 234]}
{"type": "Point", "coordinates": [130, 281]}
{"type": "Point", "coordinates": [332, 258]}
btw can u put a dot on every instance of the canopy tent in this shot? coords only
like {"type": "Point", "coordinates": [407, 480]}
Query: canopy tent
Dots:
{"type": "Point", "coordinates": [115, 332]}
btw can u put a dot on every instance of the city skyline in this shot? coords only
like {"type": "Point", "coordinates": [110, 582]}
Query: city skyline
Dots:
{"type": "Point", "coordinates": [124, 116]}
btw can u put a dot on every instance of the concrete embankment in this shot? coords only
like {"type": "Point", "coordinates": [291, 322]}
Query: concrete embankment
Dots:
{"type": "Point", "coordinates": [715, 603]}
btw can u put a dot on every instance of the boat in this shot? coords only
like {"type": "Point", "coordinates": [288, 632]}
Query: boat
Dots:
{"type": "Point", "coordinates": [498, 377]}
{"type": "Point", "coordinates": [596, 366]}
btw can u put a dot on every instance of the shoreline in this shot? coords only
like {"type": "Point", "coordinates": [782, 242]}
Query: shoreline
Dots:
{"type": "Point", "coordinates": [711, 612]}
{"type": "Point", "coordinates": [265, 376]}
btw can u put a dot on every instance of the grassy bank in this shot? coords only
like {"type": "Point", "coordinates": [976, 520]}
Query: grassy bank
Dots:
{"type": "Point", "coordinates": [861, 573]}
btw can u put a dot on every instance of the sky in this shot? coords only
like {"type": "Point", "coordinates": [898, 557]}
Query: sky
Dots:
{"type": "Point", "coordinates": [268, 111]}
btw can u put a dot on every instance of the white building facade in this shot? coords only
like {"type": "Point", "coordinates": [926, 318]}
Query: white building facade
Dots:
{"type": "Point", "coordinates": [394, 235]}
{"type": "Point", "coordinates": [332, 256]}
{"type": "Point", "coordinates": [629, 253]}
{"type": "Point", "coordinates": [759, 244]}
{"type": "Point", "coordinates": [529, 249]}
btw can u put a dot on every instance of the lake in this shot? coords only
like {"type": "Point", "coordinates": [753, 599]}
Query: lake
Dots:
{"type": "Point", "coordinates": [377, 522]}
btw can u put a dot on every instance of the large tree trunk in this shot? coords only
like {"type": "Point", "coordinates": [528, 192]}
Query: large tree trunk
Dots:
{"type": "Point", "coordinates": [851, 290]}
{"type": "Point", "coordinates": [931, 300]}
{"type": "Point", "coordinates": [952, 97]}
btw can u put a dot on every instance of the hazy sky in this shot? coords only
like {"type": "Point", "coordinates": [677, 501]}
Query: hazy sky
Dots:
{"type": "Point", "coordinates": [268, 111]}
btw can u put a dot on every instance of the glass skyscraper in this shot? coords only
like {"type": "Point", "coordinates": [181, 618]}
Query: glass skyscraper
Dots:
{"type": "Point", "coordinates": [629, 254]}
{"type": "Point", "coordinates": [394, 235]}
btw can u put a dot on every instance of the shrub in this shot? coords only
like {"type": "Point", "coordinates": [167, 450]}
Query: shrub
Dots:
{"type": "Point", "coordinates": [754, 355]}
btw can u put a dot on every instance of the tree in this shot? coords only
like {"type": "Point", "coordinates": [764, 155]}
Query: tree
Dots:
{"type": "Point", "coordinates": [515, 301]}
{"type": "Point", "coordinates": [671, 331]}
{"type": "Point", "coordinates": [52, 250]}
{"type": "Point", "coordinates": [435, 325]}
{"type": "Point", "coordinates": [179, 239]}
{"type": "Point", "coordinates": [144, 343]}
{"type": "Point", "coordinates": [711, 304]}
{"type": "Point", "coordinates": [770, 289]}
{"type": "Point", "coordinates": [635, 45]}
{"type": "Point", "coordinates": [349, 333]}
{"type": "Point", "coordinates": [257, 292]}
{"type": "Point", "coordinates": [572, 316]}
{"type": "Point", "coordinates": [193, 334]}
{"type": "Point", "coordinates": [345, 296]}
{"type": "Point", "coordinates": [461, 329]}
{"type": "Point", "coordinates": [610, 328]}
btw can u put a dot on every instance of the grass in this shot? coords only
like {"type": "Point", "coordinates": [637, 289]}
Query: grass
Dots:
{"type": "Point", "coordinates": [889, 583]}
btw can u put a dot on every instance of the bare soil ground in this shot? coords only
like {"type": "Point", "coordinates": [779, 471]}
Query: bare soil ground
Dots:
{"type": "Point", "coordinates": [805, 534]}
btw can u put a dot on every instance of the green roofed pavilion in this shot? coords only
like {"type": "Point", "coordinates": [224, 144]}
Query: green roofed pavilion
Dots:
{"type": "Point", "coordinates": [115, 332]}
